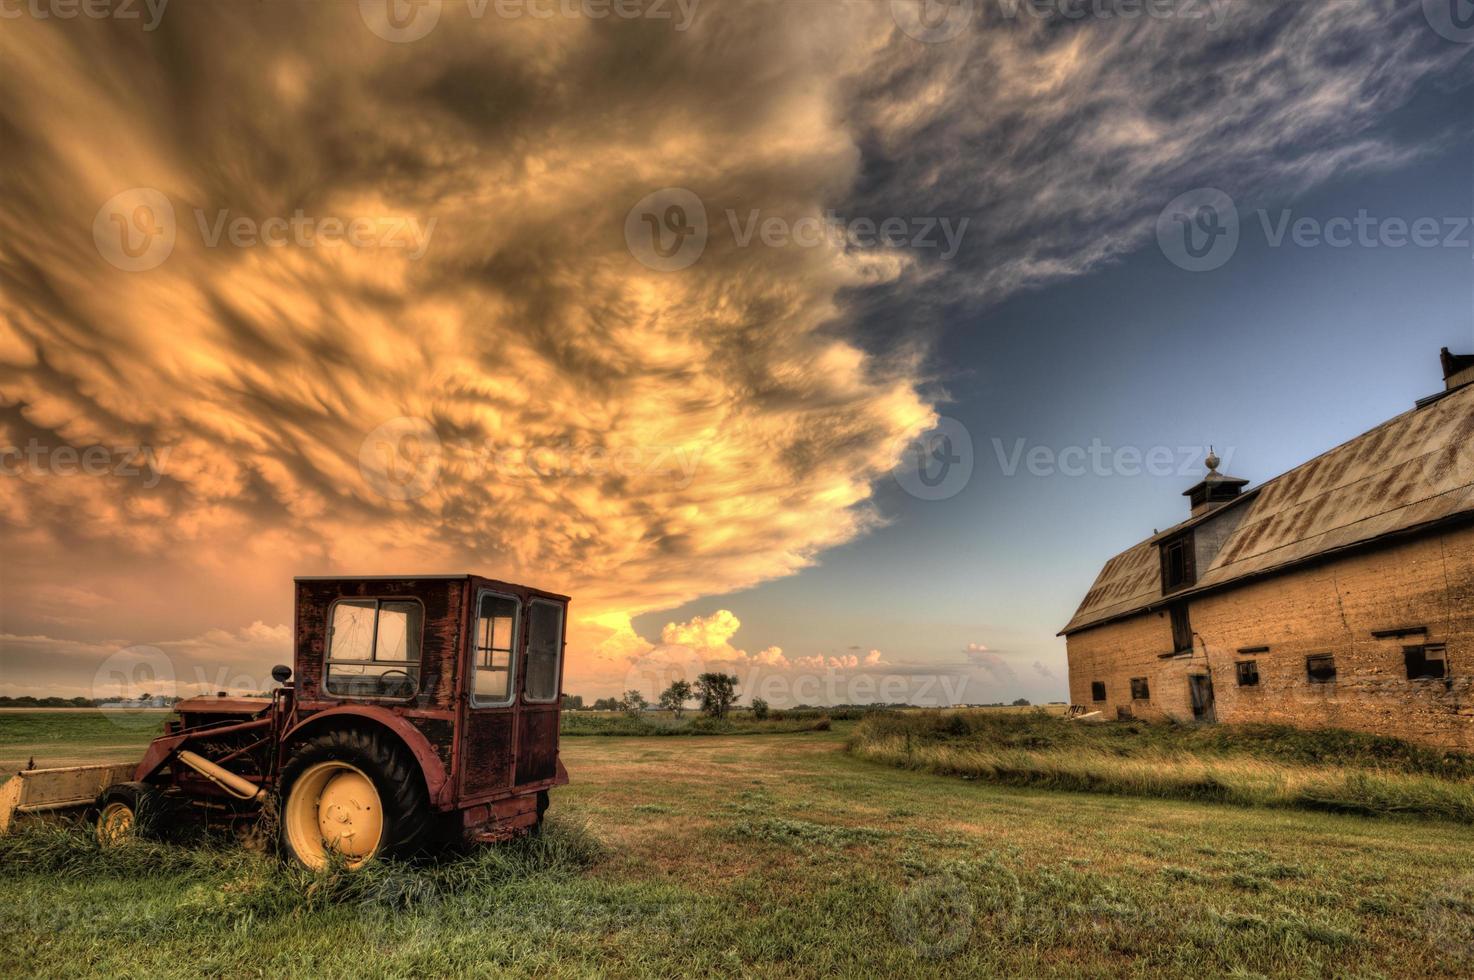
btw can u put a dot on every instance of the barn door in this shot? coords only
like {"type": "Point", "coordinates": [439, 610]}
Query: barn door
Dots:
{"type": "Point", "coordinates": [1201, 688]}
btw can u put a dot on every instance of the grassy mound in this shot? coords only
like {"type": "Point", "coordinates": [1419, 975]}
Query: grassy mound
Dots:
{"type": "Point", "coordinates": [1252, 765]}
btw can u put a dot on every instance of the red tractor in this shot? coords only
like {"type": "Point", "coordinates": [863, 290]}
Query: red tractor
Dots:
{"type": "Point", "coordinates": [423, 710]}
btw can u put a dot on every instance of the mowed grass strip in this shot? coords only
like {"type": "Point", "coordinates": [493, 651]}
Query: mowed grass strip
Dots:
{"type": "Point", "coordinates": [1252, 765]}
{"type": "Point", "coordinates": [780, 856]}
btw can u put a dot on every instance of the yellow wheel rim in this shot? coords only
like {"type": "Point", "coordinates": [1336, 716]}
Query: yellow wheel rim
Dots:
{"type": "Point", "coordinates": [334, 809]}
{"type": "Point", "coordinates": [115, 824]}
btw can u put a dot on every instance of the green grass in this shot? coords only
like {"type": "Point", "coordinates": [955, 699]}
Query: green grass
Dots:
{"type": "Point", "coordinates": [779, 857]}
{"type": "Point", "coordinates": [1252, 765]}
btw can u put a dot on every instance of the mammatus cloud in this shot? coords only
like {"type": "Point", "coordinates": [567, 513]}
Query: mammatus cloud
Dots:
{"type": "Point", "coordinates": [699, 430]}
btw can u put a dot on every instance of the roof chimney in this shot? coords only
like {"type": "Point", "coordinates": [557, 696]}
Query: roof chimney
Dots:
{"type": "Point", "coordinates": [1458, 369]}
{"type": "Point", "coordinates": [1215, 490]}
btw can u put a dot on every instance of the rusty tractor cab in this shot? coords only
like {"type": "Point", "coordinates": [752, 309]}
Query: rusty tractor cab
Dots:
{"type": "Point", "coordinates": [422, 709]}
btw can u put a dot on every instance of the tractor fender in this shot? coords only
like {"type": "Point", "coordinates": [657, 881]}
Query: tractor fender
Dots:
{"type": "Point", "coordinates": [436, 782]}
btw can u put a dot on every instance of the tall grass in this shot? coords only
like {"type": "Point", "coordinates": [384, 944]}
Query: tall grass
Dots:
{"type": "Point", "coordinates": [1257, 765]}
{"type": "Point", "coordinates": [261, 886]}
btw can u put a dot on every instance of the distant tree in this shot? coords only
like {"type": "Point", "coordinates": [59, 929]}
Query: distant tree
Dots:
{"type": "Point", "coordinates": [573, 701]}
{"type": "Point", "coordinates": [718, 692]}
{"type": "Point", "coordinates": [607, 704]}
{"type": "Point", "coordinates": [633, 703]}
{"type": "Point", "coordinates": [1021, 703]}
{"type": "Point", "coordinates": [759, 709]}
{"type": "Point", "coordinates": [674, 698]}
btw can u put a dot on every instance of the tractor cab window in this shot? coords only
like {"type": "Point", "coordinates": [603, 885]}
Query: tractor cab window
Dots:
{"type": "Point", "coordinates": [374, 648]}
{"type": "Point", "coordinates": [544, 650]}
{"type": "Point", "coordinates": [493, 656]}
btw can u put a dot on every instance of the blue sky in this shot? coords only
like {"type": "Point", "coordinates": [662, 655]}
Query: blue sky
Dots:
{"type": "Point", "coordinates": [1274, 358]}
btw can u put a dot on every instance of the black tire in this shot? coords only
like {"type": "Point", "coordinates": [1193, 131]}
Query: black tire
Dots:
{"type": "Point", "coordinates": [143, 804]}
{"type": "Point", "coordinates": [542, 808]}
{"type": "Point", "coordinates": [393, 771]}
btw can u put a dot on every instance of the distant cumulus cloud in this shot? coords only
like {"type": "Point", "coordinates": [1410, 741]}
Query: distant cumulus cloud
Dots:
{"type": "Point", "coordinates": [634, 437]}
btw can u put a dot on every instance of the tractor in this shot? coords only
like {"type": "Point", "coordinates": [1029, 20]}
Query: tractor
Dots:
{"type": "Point", "coordinates": [420, 711]}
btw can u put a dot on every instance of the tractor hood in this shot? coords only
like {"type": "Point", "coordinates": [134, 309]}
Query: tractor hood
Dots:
{"type": "Point", "coordinates": [215, 705]}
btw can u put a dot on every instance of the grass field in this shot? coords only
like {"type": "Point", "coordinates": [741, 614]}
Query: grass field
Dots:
{"type": "Point", "coordinates": [1247, 765]}
{"type": "Point", "coordinates": [780, 855]}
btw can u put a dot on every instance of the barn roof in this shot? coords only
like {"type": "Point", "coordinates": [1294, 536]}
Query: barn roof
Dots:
{"type": "Point", "coordinates": [1414, 470]}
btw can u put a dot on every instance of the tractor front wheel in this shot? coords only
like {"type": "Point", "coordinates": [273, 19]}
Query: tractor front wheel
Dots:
{"type": "Point", "coordinates": [351, 796]}
{"type": "Point", "coordinates": [126, 811]}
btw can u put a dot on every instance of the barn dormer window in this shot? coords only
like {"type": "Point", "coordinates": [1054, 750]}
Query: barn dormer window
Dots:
{"type": "Point", "coordinates": [1179, 569]}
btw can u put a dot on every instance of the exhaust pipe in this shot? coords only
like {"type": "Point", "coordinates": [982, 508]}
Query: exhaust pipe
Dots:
{"type": "Point", "coordinates": [237, 786]}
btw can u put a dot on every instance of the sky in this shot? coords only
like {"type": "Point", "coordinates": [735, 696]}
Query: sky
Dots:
{"type": "Point", "coordinates": [655, 305]}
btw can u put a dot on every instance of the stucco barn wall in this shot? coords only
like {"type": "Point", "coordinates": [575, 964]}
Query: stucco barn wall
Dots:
{"type": "Point", "coordinates": [1334, 608]}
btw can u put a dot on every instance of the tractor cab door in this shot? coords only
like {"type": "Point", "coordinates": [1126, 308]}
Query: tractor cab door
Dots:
{"type": "Point", "coordinates": [488, 734]}
{"type": "Point", "coordinates": [542, 677]}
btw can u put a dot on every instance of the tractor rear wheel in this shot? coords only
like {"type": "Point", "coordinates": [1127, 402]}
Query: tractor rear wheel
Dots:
{"type": "Point", "coordinates": [352, 796]}
{"type": "Point", "coordinates": [126, 811]}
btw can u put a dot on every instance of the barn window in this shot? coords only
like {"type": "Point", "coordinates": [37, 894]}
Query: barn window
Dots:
{"type": "Point", "coordinates": [1182, 629]}
{"type": "Point", "coordinates": [1139, 689]}
{"type": "Point", "coordinates": [1425, 662]}
{"type": "Point", "coordinates": [1097, 690]}
{"type": "Point", "coordinates": [374, 648]}
{"type": "Point", "coordinates": [544, 650]}
{"type": "Point", "coordinates": [1248, 673]}
{"type": "Point", "coordinates": [1321, 668]}
{"type": "Point", "coordinates": [494, 653]}
{"type": "Point", "coordinates": [1178, 567]}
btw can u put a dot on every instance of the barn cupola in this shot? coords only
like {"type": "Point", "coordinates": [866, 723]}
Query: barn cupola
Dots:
{"type": "Point", "coordinates": [1215, 490]}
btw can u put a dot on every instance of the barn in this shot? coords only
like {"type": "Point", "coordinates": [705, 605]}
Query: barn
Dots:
{"type": "Point", "coordinates": [1339, 594]}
